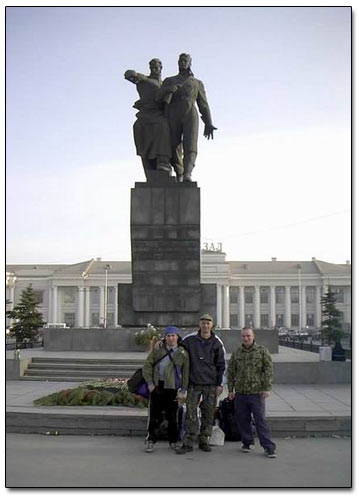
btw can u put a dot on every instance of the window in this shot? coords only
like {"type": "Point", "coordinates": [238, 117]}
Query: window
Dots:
{"type": "Point", "coordinates": [279, 294]}
{"type": "Point", "coordinates": [110, 319]}
{"type": "Point", "coordinates": [249, 320]}
{"type": "Point", "coordinates": [294, 295]}
{"type": "Point", "coordinates": [264, 320]}
{"type": "Point", "coordinates": [95, 296]}
{"type": "Point", "coordinates": [39, 296]}
{"type": "Point", "coordinates": [341, 316]}
{"type": "Point", "coordinates": [233, 294]}
{"type": "Point", "coordinates": [339, 295]}
{"type": "Point", "coordinates": [310, 294]}
{"type": "Point", "coordinates": [294, 320]}
{"type": "Point", "coordinates": [264, 295]}
{"type": "Point", "coordinates": [279, 320]}
{"type": "Point", "coordinates": [95, 319]}
{"type": "Point", "coordinates": [310, 319]}
{"type": "Point", "coordinates": [69, 318]}
{"type": "Point", "coordinates": [110, 295]}
{"type": "Point", "coordinates": [248, 295]}
{"type": "Point", "coordinates": [69, 295]}
{"type": "Point", "coordinates": [233, 320]}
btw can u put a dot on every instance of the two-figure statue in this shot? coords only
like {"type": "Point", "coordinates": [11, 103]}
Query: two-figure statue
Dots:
{"type": "Point", "coordinates": [166, 130]}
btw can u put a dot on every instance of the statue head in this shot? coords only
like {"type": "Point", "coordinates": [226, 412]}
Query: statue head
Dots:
{"type": "Point", "coordinates": [185, 62]}
{"type": "Point", "coordinates": [155, 67]}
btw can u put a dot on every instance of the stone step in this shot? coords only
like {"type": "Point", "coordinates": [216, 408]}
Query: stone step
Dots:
{"type": "Point", "coordinates": [83, 367]}
{"type": "Point", "coordinates": [75, 373]}
{"type": "Point", "coordinates": [78, 379]}
{"type": "Point", "coordinates": [76, 360]}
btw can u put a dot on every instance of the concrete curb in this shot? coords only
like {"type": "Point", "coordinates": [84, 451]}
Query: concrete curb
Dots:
{"type": "Point", "coordinates": [133, 422]}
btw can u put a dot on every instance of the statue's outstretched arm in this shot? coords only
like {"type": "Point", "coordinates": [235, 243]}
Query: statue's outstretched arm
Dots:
{"type": "Point", "coordinates": [133, 76]}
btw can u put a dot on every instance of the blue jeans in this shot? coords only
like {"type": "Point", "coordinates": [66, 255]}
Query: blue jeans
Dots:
{"type": "Point", "coordinates": [245, 406]}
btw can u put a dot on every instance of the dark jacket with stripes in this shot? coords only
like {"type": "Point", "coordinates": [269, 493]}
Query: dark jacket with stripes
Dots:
{"type": "Point", "coordinates": [207, 359]}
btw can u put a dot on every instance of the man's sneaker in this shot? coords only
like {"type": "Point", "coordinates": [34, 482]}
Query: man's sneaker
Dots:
{"type": "Point", "coordinates": [205, 447]}
{"type": "Point", "coordinates": [246, 448]}
{"type": "Point", "coordinates": [175, 445]}
{"type": "Point", "coordinates": [270, 453]}
{"type": "Point", "coordinates": [150, 446]}
{"type": "Point", "coordinates": [183, 449]}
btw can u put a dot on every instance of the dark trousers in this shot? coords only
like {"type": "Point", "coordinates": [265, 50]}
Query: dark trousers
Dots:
{"type": "Point", "coordinates": [163, 400]}
{"type": "Point", "coordinates": [245, 406]}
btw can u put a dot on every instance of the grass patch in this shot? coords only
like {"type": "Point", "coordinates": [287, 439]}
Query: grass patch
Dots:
{"type": "Point", "coordinates": [112, 392]}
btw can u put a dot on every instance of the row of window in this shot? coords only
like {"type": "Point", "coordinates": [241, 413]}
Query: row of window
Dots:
{"type": "Point", "coordinates": [279, 320]}
{"type": "Point", "coordinates": [264, 294]}
{"type": "Point", "coordinates": [68, 295]}
{"type": "Point", "coordinates": [70, 319]}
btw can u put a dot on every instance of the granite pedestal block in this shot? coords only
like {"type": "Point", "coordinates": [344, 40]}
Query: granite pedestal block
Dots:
{"type": "Point", "coordinates": [165, 247]}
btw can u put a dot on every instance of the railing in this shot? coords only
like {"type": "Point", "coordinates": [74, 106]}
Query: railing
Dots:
{"type": "Point", "coordinates": [308, 346]}
{"type": "Point", "coordinates": [300, 344]}
{"type": "Point", "coordinates": [23, 345]}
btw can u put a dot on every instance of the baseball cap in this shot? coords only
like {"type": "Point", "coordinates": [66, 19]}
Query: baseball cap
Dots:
{"type": "Point", "coordinates": [208, 317]}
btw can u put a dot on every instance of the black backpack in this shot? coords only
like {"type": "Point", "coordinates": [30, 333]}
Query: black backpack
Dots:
{"type": "Point", "coordinates": [227, 420]}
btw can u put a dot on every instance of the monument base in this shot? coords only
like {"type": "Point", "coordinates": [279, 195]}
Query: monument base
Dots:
{"type": "Point", "coordinates": [127, 316]}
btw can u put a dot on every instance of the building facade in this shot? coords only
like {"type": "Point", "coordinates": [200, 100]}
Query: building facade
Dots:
{"type": "Point", "coordinates": [260, 294]}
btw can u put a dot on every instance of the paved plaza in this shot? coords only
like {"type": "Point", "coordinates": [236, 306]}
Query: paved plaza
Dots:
{"type": "Point", "coordinates": [40, 460]}
{"type": "Point", "coordinates": [75, 461]}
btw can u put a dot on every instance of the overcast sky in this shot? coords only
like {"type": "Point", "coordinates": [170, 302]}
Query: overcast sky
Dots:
{"type": "Point", "coordinates": [275, 181]}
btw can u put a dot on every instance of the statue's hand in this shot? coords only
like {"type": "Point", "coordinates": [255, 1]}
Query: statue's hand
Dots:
{"type": "Point", "coordinates": [173, 88]}
{"type": "Point", "coordinates": [208, 131]}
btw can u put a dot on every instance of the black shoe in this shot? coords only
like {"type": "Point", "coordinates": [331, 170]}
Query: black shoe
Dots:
{"type": "Point", "coordinates": [270, 453]}
{"type": "Point", "coordinates": [246, 448]}
{"type": "Point", "coordinates": [184, 449]}
{"type": "Point", "coordinates": [205, 447]}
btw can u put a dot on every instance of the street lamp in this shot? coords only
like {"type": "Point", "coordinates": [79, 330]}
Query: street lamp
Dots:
{"type": "Point", "coordinates": [299, 267]}
{"type": "Point", "coordinates": [107, 267]}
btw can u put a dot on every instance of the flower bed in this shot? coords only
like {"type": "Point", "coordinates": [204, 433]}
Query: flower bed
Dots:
{"type": "Point", "coordinates": [109, 392]}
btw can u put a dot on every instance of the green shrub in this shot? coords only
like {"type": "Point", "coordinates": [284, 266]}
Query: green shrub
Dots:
{"type": "Point", "coordinates": [111, 392]}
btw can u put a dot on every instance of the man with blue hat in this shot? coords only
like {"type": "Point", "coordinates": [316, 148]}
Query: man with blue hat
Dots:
{"type": "Point", "coordinates": [166, 371]}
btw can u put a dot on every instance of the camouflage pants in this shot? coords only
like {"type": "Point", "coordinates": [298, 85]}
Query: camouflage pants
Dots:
{"type": "Point", "coordinates": [207, 406]}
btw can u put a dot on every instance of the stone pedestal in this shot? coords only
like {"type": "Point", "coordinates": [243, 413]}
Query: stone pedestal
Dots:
{"type": "Point", "coordinates": [165, 246]}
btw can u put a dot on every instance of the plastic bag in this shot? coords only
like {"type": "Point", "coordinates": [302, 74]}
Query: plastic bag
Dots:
{"type": "Point", "coordinates": [217, 437]}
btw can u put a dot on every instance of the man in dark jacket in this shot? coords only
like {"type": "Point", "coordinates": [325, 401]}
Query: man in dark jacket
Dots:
{"type": "Point", "coordinates": [207, 365]}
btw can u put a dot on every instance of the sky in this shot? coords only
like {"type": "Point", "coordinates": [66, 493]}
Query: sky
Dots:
{"type": "Point", "coordinates": [276, 179]}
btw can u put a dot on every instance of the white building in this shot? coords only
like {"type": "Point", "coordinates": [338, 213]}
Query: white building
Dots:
{"type": "Point", "coordinates": [262, 294]}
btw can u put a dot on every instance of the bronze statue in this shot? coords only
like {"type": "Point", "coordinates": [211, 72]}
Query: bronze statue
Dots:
{"type": "Point", "coordinates": [180, 93]}
{"type": "Point", "coordinates": [151, 129]}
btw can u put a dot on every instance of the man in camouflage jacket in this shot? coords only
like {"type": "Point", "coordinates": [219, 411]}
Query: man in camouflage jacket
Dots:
{"type": "Point", "coordinates": [250, 373]}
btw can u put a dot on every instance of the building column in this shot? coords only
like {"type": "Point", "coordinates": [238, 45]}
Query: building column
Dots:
{"type": "Point", "coordinates": [318, 307]}
{"type": "Point", "coordinates": [219, 306]}
{"type": "Point", "coordinates": [287, 316]}
{"type": "Point", "coordinates": [12, 297]}
{"type": "Point", "coordinates": [116, 305]}
{"type": "Point", "coordinates": [303, 307]}
{"type": "Point", "coordinates": [87, 307]}
{"type": "Point", "coordinates": [241, 307]}
{"type": "Point", "coordinates": [54, 305]}
{"type": "Point", "coordinates": [80, 307]}
{"type": "Point", "coordinates": [102, 306]}
{"type": "Point", "coordinates": [257, 306]}
{"type": "Point", "coordinates": [272, 306]}
{"type": "Point", "coordinates": [226, 306]}
{"type": "Point", "coordinates": [12, 302]}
